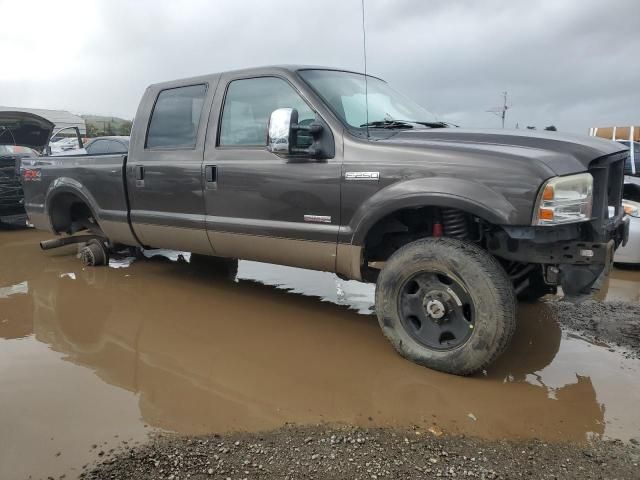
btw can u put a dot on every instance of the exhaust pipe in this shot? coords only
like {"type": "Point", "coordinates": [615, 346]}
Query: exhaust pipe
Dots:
{"type": "Point", "coordinates": [61, 242]}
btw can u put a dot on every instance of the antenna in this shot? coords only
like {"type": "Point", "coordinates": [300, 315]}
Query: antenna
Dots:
{"type": "Point", "coordinates": [501, 111]}
{"type": "Point", "coordinates": [366, 86]}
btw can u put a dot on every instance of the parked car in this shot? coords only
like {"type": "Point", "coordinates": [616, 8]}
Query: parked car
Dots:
{"type": "Point", "coordinates": [630, 138]}
{"type": "Point", "coordinates": [630, 253]}
{"type": "Point", "coordinates": [21, 133]}
{"type": "Point", "coordinates": [102, 145]}
{"type": "Point", "coordinates": [288, 165]}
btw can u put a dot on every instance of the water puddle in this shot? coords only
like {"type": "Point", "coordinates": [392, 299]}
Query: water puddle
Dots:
{"type": "Point", "coordinates": [88, 354]}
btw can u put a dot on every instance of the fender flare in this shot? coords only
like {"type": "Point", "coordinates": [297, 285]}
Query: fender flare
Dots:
{"type": "Point", "coordinates": [69, 185]}
{"type": "Point", "coordinates": [472, 197]}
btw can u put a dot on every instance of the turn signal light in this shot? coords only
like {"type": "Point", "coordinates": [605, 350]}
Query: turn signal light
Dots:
{"type": "Point", "coordinates": [548, 193]}
{"type": "Point", "coordinates": [545, 214]}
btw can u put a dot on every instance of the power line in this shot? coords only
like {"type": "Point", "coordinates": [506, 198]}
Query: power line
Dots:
{"type": "Point", "coordinates": [502, 110]}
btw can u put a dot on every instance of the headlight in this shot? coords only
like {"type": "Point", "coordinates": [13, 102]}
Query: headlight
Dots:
{"type": "Point", "coordinates": [564, 200]}
{"type": "Point", "coordinates": [631, 208]}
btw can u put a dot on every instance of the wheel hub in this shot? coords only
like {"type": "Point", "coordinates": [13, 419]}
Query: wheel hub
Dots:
{"type": "Point", "coordinates": [435, 309]}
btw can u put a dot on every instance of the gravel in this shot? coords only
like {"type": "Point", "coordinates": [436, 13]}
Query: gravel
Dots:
{"type": "Point", "coordinates": [612, 323]}
{"type": "Point", "coordinates": [322, 452]}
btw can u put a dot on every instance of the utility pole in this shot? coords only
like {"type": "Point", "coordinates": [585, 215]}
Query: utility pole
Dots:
{"type": "Point", "coordinates": [501, 111]}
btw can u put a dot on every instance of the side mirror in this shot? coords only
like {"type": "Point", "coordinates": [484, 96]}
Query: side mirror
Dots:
{"type": "Point", "coordinates": [282, 138]}
{"type": "Point", "coordinates": [283, 135]}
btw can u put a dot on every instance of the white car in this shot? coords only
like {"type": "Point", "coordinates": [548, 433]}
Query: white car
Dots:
{"type": "Point", "coordinates": [630, 253]}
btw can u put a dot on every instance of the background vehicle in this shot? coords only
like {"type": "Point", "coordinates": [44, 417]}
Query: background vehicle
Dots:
{"type": "Point", "coordinates": [64, 144]}
{"type": "Point", "coordinates": [286, 165]}
{"type": "Point", "coordinates": [20, 133]}
{"type": "Point", "coordinates": [630, 253]}
{"type": "Point", "coordinates": [101, 145]}
{"type": "Point", "coordinates": [630, 138]}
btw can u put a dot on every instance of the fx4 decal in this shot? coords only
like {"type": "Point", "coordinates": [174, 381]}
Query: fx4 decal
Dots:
{"type": "Point", "coordinates": [31, 175]}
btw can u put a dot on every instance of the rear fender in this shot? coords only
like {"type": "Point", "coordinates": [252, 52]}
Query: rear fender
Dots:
{"type": "Point", "coordinates": [68, 185]}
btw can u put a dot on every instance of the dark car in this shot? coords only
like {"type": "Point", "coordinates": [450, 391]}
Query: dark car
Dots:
{"type": "Point", "coordinates": [112, 144]}
{"type": "Point", "coordinates": [331, 170]}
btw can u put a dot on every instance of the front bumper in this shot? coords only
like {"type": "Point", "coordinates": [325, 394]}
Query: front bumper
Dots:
{"type": "Point", "coordinates": [582, 279]}
{"type": "Point", "coordinates": [576, 265]}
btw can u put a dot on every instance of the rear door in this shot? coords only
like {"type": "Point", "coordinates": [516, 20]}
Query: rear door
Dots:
{"type": "Point", "coordinates": [164, 173]}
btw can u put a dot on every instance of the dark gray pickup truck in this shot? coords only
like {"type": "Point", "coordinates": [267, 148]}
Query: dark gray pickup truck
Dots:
{"type": "Point", "coordinates": [287, 165]}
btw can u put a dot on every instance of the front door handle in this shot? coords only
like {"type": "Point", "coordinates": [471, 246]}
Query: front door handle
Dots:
{"type": "Point", "coordinates": [210, 174]}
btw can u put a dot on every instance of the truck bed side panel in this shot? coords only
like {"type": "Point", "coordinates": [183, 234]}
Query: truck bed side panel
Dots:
{"type": "Point", "coordinates": [97, 180]}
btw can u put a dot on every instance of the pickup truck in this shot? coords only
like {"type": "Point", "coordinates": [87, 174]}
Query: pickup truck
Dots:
{"type": "Point", "coordinates": [335, 171]}
{"type": "Point", "coordinates": [21, 134]}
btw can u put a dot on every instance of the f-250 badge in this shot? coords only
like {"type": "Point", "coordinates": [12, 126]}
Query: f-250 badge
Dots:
{"type": "Point", "coordinates": [373, 176]}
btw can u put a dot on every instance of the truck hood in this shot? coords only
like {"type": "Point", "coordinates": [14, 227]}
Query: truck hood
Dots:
{"type": "Point", "coordinates": [25, 130]}
{"type": "Point", "coordinates": [561, 152]}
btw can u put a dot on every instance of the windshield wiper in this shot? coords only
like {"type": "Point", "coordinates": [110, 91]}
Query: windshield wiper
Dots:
{"type": "Point", "coordinates": [405, 124]}
{"type": "Point", "coordinates": [388, 124]}
{"type": "Point", "coordinates": [429, 124]}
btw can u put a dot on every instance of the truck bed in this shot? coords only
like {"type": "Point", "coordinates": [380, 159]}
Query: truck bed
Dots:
{"type": "Point", "coordinates": [98, 178]}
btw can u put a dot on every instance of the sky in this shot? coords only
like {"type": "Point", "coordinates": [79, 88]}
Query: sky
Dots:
{"type": "Point", "coordinates": [570, 63]}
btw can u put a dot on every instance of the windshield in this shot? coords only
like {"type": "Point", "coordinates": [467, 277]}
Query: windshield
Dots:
{"type": "Point", "coordinates": [344, 92]}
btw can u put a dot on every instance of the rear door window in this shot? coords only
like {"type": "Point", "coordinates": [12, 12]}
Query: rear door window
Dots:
{"type": "Point", "coordinates": [176, 117]}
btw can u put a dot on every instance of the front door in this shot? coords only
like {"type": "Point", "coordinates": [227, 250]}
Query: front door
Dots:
{"type": "Point", "coordinates": [262, 206]}
{"type": "Point", "coordinates": [164, 179]}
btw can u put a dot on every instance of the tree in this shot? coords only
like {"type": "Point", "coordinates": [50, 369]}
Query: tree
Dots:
{"type": "Point", "coordinates": [92, 130]}
{"type": "Point", "coordinates": [125, 128]}
{"type": "Point", "coordinates": [551, 128]}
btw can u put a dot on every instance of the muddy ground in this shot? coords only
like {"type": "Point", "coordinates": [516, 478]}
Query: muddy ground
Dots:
{"type": "Point", "coordinates": [91, 358]}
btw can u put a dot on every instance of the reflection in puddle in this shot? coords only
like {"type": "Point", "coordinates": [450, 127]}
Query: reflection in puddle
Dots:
{"type": "Point", "coordinates": [185, 350]}
{"type": "Point", "coordinates": [17, 289]}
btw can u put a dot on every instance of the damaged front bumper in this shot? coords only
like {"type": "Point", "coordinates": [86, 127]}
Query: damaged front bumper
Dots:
{"type": "Point", "coordinates": [576, 265]}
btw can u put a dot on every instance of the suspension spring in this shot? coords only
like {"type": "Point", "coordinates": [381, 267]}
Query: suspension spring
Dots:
{"type": "Point", "coordinates": [454, 223]}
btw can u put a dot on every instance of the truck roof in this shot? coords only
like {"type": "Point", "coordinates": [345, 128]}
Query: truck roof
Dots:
{"type": "Point", "coordinates": [263, 70]}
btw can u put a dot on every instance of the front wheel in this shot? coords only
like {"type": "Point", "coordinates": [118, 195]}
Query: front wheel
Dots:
{"type": "Point", "coordinates": [446, 304]}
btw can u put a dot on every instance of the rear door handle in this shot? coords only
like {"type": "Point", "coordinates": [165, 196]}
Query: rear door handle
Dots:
{"type": "Point", "coordinates": [210, 174]}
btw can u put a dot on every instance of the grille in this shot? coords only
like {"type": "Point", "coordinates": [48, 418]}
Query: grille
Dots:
{"type": "Point", "coordinates": [608, 179]}
{"type": "Point", "coordinates": [11, 196]}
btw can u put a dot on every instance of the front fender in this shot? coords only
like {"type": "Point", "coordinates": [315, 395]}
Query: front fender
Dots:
{"type": "Point", "coordinates": [474, 198]}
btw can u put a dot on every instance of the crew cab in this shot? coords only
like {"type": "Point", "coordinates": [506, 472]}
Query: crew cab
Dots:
{"type": "Point", "coordinates": [335, 171]}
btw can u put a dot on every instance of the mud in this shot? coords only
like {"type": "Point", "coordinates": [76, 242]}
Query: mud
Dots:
{"type": "Point", "coordinates": [98, 356]}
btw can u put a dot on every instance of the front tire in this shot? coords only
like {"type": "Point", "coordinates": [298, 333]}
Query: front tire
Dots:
{"type": "Point", "coordinates": [446, 304]}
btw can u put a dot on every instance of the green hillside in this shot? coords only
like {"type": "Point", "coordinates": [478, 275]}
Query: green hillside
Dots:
{"type": "Point", "coordinates": [98, 125]}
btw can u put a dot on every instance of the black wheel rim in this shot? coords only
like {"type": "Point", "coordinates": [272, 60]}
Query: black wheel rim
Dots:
{"type": "Point", "coordinates": [436, 310]}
